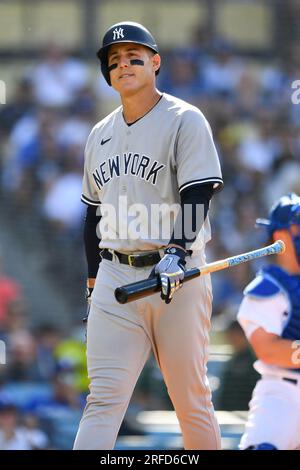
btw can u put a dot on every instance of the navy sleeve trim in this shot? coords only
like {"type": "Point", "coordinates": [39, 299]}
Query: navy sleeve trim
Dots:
{"type": "Point", "coordinates": [217, 186]}
{"type": "Point", "coordinates": [88, 201]}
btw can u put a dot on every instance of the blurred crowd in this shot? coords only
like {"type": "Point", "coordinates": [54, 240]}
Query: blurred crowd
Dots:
{"type": "Point", "coordinates": [43, 131]}
{"type": "Point", "coordinates": [43, 379]}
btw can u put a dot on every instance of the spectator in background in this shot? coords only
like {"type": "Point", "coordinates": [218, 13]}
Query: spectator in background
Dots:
{"type": "Point", "coordinates": [21, 347]}
{"type": "Point", "coordinates": [64, 397]}
{"type": "Point", "coordinates": [10, 294]}
{"type": "Point", "coordinates": [47, 338]}
{"type": "Point", "coordinates": [21, 103]}
{"type": "Point", "coordinates": [58, 77]}
{"type": "Point", "coordinates": [22, 363]}
{"type": "Point", "coordinates": [258, 151]}
{"type": "Point", "coordinates": [60, 412]}
{"type": "Point", "coordinates": [182, 77]}
{"type": "Point", "coordinates": [31, 147]}
{"type": "Point", "coordinates": [222, 71]}
{"type": "Point", "coordinates": [12, 436]}
{"type": "Point", "coordinates": [37, 439]}
{"type": "Point", "coordinates": [18, 435]}
{"type": "Point", "coordinates": [62, 205]}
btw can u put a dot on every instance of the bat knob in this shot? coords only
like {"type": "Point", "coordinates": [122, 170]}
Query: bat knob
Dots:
{"type": "Point", "coordinates": [121, 295]}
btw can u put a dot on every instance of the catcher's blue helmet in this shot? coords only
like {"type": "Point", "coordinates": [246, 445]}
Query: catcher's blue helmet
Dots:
{"type": "Point", "coordinates": [126, 31]}
{"type": "Point", "coordinates": [283, 214]}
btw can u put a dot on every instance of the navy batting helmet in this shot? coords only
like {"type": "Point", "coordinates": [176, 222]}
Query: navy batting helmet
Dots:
{"type": "Point", "coordinates": [283, 214]}
{"type": "Point", "coordinates": [127, 31]}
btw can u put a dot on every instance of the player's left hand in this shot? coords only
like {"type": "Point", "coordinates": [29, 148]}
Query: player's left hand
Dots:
{"type": "Point", "coordinates": [170, 269]}
{"type": "Point", "coordinates": [88, 296]}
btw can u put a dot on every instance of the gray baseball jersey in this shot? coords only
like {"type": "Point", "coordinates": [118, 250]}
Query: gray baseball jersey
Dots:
{"type": "Point", "coordinates": [132, 171]}
{"type": "Point", "coordinates": [136, 172]}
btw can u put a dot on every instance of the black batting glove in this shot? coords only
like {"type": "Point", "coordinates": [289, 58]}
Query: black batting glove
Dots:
{"type": "Point", "coordinates": [170, 269]}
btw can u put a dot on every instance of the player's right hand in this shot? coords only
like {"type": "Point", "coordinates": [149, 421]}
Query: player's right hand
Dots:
{"type": "Point", "coordinates": [170, 269]}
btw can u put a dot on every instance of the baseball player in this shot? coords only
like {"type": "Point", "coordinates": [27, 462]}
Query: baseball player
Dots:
{"type": "Point", "coordinates": [153, 151]}
{"type": "Point", "coordinates": [270, 317]}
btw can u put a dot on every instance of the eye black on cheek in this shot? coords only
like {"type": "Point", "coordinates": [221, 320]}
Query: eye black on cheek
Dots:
{"type": "Point", "coordinates": [112, 67]}
{"type": "Point", "coordinates": [137, 62]}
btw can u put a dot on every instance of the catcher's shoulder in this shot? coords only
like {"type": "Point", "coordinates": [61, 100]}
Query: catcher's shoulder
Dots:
{"type": "Point", "coordinates": [262, 286]}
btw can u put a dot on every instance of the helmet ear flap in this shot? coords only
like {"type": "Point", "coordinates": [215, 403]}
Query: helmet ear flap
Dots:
{"type": "Point", "coordinates": [105, 73]}
{"type": "Point", "coordinates": [104, 68]}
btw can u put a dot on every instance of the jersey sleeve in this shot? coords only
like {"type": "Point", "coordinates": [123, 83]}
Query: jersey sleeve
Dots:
{"type": "Point", "coordinates": [89, 193]}
{"type": "Point", "coordinates": [266, 313]}
{"type": "Point", "coordinates": [196, 157]}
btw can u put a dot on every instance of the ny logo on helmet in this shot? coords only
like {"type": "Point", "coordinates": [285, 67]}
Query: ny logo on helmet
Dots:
{"type": "Point", "coordinates": [118, 33]}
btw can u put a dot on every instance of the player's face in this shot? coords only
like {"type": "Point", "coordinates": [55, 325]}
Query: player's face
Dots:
{"type": "Point", "coordinates": [128, 78]}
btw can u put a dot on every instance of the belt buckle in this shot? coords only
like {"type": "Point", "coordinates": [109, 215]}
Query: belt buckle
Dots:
{"type": "Point", "coordinates": [131, 260]}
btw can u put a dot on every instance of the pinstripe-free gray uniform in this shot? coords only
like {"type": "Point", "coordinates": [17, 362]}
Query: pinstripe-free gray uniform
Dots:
{"type": "Point", "coordinates": [149, 163]}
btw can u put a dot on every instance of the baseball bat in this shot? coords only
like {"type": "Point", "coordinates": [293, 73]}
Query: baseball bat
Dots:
{"type": "Point", "coordinates": [140, 289]}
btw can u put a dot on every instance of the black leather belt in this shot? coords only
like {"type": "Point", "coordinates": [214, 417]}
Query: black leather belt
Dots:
{"type": "Point", "coordinates": [293, 381]}
{"type": "Point", "coordinates": [137, 260]}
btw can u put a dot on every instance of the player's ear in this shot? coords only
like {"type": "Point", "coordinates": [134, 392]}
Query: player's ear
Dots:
{"type": "Point", "coordinates": [156, 61]}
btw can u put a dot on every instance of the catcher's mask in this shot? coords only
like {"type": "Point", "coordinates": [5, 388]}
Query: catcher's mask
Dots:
{"type": "Point", "coordinates": [126, 31]}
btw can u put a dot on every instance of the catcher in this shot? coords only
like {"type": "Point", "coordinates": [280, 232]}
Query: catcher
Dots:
{"type": "Point", "coordinates": [270, 317]}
